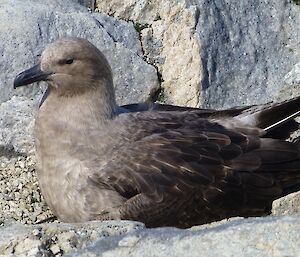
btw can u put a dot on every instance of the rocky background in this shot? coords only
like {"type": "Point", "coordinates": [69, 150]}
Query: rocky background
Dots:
{"type": "Point", "coordinates": [205, 53]}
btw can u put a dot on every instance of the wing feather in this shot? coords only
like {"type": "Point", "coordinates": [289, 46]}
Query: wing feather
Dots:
{"type": "Point", "coordinates": [173, 156]}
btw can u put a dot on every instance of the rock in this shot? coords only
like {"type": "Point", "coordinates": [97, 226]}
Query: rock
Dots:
{"type": "Point", "coordinates": [129, 37]}
{"type": "Point", "coordinates": [57, 239]}
{"type": "Point", "coordinates": [16, 125]}
{"type": "Point", "coordinates": [291, 84]}
{"type": "Point", "coordinates": [40, 22]}
{"type": "Point", "coordinates": [181, 69]}
{"type": "Point", "coordinates": [142, 11]}
{"type": "Point", "coordinates": [293, 77]}
{"type": "Point", "coordinates": [20, 196]}
{"type": "Point", "coordinates": [271, 236]}
{"type": "Point", "coordinates": [87, 3]}
{"type": "Point", "coordinates": [247, 49]}
{"type": "Point", "coordinates": [217, 54]}
{"type": "Point", "coordinates": [289, 204]}
{"type": "Point", "coordinates": [169, 41]}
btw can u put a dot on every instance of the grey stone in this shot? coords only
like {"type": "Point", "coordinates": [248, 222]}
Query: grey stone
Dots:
{"type": "Point", "coordinates": [218, 53]}
{"type": "Point", "coordinates": [293, 77]}
{"type": "Point", "coordinates": [291, 85]}
{"type": "Point", "coordinates": [51, 239]}
{"type": "Point", "coordinates": [268, 236]}
{"type": "Point", "coordinates": [129, 37]}
{"type": "Point", "coordinates": [87, 3]}
{"type": "Point", "coordinates": [248, 237]}
{"type": "Point", "coordinates": [289, 204]}
{"type": "Point", "coordinates": [16, 125]}
{"type": "Point", "coordinates": [142, 11]}
{"type": "Point", "coordinates": [167, 30]}
{"type": "Point", "coordinates": [247, 48]}
{"type": "Point", "coordinates": [27, 26]}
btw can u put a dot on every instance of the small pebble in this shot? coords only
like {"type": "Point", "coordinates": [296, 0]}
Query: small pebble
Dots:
{"type": "Point", "coordinates": [20, 197]}
{"type": "Point", "coordinates": [55, 249]}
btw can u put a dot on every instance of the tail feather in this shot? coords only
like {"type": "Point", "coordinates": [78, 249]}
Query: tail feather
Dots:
{"type": "Point", "coordinates": [284, 151]}
{"type": "Point", "coordinates": [286, 168]}
{"type": "Point", "coordinates": [271, 116]}
{"type": "Point", "coordinates": [284, 131]}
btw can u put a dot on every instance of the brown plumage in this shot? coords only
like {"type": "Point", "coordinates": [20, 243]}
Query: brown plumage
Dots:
{"type": "Point", "coordinates": [158, 164]}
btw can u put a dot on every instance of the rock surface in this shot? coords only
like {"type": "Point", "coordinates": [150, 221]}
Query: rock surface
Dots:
{"type": "Point", "coordinates": [16, 126]}
{"type": "Point", "coordinates": [56, 239]}
{"type": "Point", "coordinates": [289, 204]}
{"type": "Point", "coordinates": [169, 41]}
{"type": "Point", "coordinates": [247, 49]}
{"type": "Point", "coordinates": [87, 3]}
{"type": "Point", "coordinates": [217, 53]}
{"type": "Point", "coordinates": [270, 236]}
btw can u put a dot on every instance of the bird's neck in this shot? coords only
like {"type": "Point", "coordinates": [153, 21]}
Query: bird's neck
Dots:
{"type": "Point", "coordinates": [91, 108]}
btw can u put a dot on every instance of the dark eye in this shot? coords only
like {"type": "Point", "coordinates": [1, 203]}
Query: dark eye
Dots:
{"type": "Point", "coordinates": [69, 61]}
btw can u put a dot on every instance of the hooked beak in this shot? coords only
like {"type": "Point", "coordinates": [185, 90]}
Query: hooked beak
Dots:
{"type": "Point", "coordinates": [31, 75]}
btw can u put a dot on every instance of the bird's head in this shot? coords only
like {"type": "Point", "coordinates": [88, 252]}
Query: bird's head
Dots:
{"type": "Point", "coordinates": [70, 66]}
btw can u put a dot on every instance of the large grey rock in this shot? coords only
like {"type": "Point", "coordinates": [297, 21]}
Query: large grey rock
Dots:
{"type": "Point", "coordinates": [261, 237]}
{"type": "Point", "coordinates": [27, 26]}
{"type": "Point", "coordinates": [56, 239]}
{"type": "Point", "coordinates": [87, 3]}
{"type": "Point", "coordinates": [247, 48]}
{"type": "Point", "coordinates": [169, 42]}
{"type": "Point", "coordinates": [218, 53]}
{"type": "Point", "coordinates": [289, 204]}
{"type": "Point", "coordinates": [16, 125]}
{"type": "Point", "coordinates": [291, 84]}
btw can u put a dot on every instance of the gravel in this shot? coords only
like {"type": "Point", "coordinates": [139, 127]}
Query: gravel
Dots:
{"type": "Point", "coordinates": [20, 196]}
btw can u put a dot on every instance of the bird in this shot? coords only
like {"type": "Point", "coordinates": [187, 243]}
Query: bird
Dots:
{"type": "Point", "coordinates": [163, 165]}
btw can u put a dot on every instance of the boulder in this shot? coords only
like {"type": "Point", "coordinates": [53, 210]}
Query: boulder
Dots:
{"type": "Point", "coordinates": [217, 53]}
{"type": "Point", "coordinates": [271, 236]}
{"type": "Point", "coordinates": [289, 204]}
{"type": "Point", "coordinates": [87, 3]}
{"type": "Point", "coordinates": [169, 41]}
